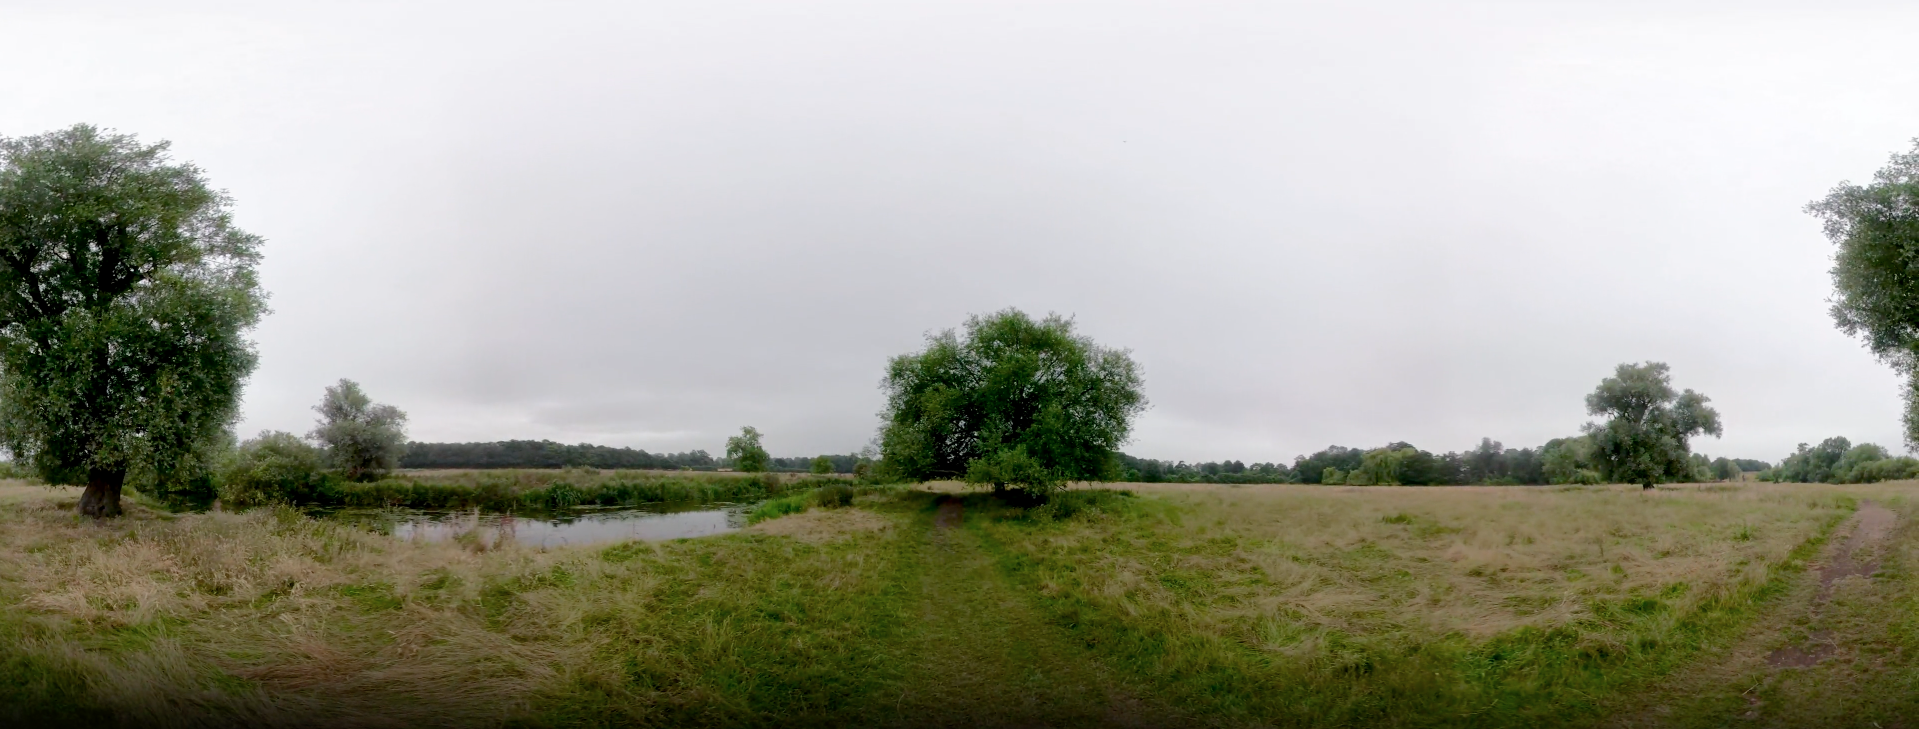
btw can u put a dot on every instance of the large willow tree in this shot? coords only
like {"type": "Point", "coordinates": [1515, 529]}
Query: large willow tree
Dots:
{"type": "Point", "coordinates": [1013, 403]}
{"type": "Point", "coordinates": [125, 296]}
{"type": "Point", "coordinates": [1875, 272]}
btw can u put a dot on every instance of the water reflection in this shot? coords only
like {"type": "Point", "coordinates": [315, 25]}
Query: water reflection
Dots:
{"type": "Point", "coordinates": [572, 528]}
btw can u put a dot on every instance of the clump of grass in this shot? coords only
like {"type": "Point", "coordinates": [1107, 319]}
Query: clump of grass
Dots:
{"type": "Point", "coordinates": [834, 496]}
{"type": "Point", "coordinates": [776, 508]}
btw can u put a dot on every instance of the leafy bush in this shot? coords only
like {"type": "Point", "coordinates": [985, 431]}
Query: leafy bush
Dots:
{"type": "Point", "coordinates": [274, 467]}
{"type": "Point", "coordinates": [1011, 469]}
{"type": "Point", "coordinates": [833, 496]}
{"type": "Point", "coordinates": [1837, 460]}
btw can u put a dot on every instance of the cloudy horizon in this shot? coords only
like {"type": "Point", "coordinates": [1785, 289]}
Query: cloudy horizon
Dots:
{"type": "Point", "coordinates": [647, 225]}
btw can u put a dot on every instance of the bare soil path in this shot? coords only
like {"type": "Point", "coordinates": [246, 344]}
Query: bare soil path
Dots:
{"type": "Point", "coordinates": [1799, 662]}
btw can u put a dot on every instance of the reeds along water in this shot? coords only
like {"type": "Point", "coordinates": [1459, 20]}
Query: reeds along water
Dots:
{"type": "Point", "coordinates": [511, 490]}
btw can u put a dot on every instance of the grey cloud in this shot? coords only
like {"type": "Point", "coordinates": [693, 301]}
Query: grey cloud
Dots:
{"type": "Point", "coordinates": [1313, 223]}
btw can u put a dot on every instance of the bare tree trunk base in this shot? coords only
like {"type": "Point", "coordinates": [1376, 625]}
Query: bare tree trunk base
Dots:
{"type": "Point", "coordinates": [101, 500]}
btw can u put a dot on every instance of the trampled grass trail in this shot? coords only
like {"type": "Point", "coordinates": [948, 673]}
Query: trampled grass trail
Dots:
{"type": "Point", "coordinates": [1834, 652]}
{"type": "Point", "coordinates": [985, 657]}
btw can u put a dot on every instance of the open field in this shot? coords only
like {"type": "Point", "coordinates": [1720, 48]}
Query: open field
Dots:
{"type": "Point", "coordinates": [1183, 605]}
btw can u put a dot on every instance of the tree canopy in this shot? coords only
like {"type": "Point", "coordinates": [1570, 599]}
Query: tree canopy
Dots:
{"type": "Point", "coordinates": [1875, 274]}
{"type": "Point", "coordinates": [1014, 402]}
{"type": "Point", "coordinates": [745, 451]}
{"type": "Point", "coordinates": [125, 295]}
{"type": "Point", "coordinates": [362, 439]}
{"type": "Point", "coordinates": [1646, 439]}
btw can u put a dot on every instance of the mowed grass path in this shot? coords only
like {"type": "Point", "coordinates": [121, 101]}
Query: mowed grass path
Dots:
{"type": "Point", "coordinates": [1286, 606]}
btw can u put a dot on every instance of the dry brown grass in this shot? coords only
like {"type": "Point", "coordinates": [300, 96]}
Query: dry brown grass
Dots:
{"type": "Point", "coordinates": [155, 609]}
{"type": "Point", "coordinates": [1433, 561]}
{"type": "Point", "coordinates": [825, 525]}
{"type": "Point", "coordinates": [270, 619]}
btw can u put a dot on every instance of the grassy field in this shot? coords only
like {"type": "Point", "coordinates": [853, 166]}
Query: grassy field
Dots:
{"type": "Point", "coordinates": [1181, 605]}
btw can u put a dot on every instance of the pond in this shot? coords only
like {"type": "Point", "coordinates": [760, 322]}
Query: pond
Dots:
{"type": "Point", "coordinates": [572, 527]}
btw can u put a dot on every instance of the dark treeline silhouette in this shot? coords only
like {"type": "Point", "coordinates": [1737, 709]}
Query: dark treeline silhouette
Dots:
{"type": "Point", "coordinates": [548, 454]}
{"type": "Point", "coordinates": [1561, 460]}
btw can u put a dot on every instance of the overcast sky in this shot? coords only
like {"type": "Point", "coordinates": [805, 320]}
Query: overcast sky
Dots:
{"type": "Point", "coordinates": [647, 224]}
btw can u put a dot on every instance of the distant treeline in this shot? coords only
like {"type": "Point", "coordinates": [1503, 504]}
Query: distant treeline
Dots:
{"type": "Point", "coordinates": [1837, 460]}
{"type": "Point", "coordinates": [548, 454]}
{"type": "Point", "coordinates": [1561, 460]}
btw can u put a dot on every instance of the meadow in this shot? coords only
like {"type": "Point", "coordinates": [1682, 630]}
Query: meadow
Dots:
{"type": "Point", "coordinates": [1131, 604]}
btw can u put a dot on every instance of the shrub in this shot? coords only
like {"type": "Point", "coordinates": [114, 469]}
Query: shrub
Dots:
{"type": "Point", "coordinates": [273, 467]}
{"type": "Point", "coordinates": [833, 496]}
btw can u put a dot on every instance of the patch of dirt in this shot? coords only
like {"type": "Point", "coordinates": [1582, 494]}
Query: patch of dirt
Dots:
{"type": "Point", "coordinates": [819, 526]}
{"type": "Point", "coordinates": [1857, 557]}
{"type": "Point", "coordinates": [950, 513]}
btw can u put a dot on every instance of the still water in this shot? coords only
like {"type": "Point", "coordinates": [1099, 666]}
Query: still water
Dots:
{"type": "Point", "coordinates": [569, 528]}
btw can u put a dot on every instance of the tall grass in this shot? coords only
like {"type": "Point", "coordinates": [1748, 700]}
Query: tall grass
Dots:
{"type": "Point", "coordinates": [1273, 606]}
{"type": "Point", "coordinates": [1300, 606]}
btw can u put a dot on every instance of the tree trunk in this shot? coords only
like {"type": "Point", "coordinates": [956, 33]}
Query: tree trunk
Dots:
{"type": "Point", "coordinates": [102, 497]}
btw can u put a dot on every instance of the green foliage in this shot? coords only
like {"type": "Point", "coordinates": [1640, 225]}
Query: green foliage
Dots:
{"type": "Point", "coordinates": [1012, 469]}
{"type": "Point", "coordinates": [1147, 470]}
{"type": "Point", "coordinates": [745, 452]}
{"type": "Point", "coordinates": [1010, 383]}
{"type": "Point", "coordinates": [834, 496]}
{"type": "Point", "coordinates": [776, 508]}
{"type": "Point", "coordinates": [125, 294]}
{"type": "Point", "coordinates": [1873, 272]}
{"type": "Point", "coordinates": [1570, 461]}
{"type": "Point", "coordinates": [1387, 466]}
{"type": "Point", "coordinates": [274, 467]}
{"type": "Point", "coordinates": [1645, 441]}
{"type": "Point", "coordinates": [508, 491]}
{"type": "Point", "coordinates": [547, 454]}
{"type": "Point", "coordinates": [1837, 460]}
{"type": "Point", "coordinates": [362, 439]}
{"type": "Point", "coordinates": [822, 465]}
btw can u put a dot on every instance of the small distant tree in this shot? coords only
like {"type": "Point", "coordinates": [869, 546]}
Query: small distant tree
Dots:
{"type": "Point", "coordinates": [1875, 277]}
{"type": "Point", "coordinates": [1646, 439]}
{"type": "Point", "coordinates": [362, 439]}
{"type": "Point", "coordinates": [125, 296]}
{"type": "Point", "coordinates": [745, 452]}
{"type": "Point", "coordinates": [822, 465]}
{"type": "Point", "coordinates": [1014, 403]}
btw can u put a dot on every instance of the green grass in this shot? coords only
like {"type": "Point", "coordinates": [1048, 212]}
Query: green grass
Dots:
{"type": "Point", "coordinates": [1277, 606]}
